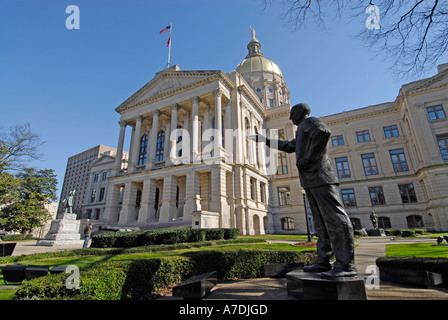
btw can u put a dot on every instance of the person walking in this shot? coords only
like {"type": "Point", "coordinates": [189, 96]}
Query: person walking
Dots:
{"type": "Point", "coordinates": [87, 234]}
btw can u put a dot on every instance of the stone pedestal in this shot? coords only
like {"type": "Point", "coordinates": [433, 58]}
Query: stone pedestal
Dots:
{"type": "Point", "coordinates": [376, 232]}
{"type": "Point", "coordinates": [311, 286]}
{"type": "Point", "coordinates": [63, 232]}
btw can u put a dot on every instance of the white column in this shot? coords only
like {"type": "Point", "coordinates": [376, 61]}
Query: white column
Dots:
{"type": "Point", "coordinates": [147, 210]}
{"type": "Point", "coordinates": [218, 201]}
{"type": "Point", "coordinates": [135, 148]}
{"type": "Point", "coordinates": [172, 138]}
{"type": "Point", "coordinates": [127, 213]}
{"type": "Point", "coordinates": [195, 133]}
{"type": "Point", "coordinates": [153, 141]}
{"type": "Point", "coordinates": [168, 209]}
{"type": "Point", "coordinates": [192, 197]}
{"type": "Point", "coordinates": [119, 155]}
{"type": "Point", "coordinates": [218, 122]}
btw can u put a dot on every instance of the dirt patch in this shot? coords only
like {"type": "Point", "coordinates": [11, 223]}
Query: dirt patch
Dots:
{"type": "Point", "coordinates": [305, 244]}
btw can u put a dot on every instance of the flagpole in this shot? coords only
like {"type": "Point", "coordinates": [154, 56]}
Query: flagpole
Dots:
{"type": "Point", "coordinates": [169, 46]}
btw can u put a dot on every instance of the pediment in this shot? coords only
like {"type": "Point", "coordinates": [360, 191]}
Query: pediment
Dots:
{"type": "Point", "coordinates": [104, 159]}
{"type": "Point", "coordinates": [168, 81]}
{"type": "Point", "coordinates": [437, 81]}
{"type": "Point", "coordinates": [339, 150]}
{"type": "Point", "coordinates": [366, 146]}
{"type": "Point", "coordinates": [394, 141]}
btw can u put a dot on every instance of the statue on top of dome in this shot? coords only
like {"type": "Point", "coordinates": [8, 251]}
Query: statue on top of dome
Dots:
{"type": "Point", "coordinates": [252, 31]}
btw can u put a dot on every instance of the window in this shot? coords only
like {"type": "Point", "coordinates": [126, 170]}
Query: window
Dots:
{"type": "Point", "coordinates": [104, 176]}
{"type": "Point", "coordinates": [271, 103]}
{"type": "Point", "coordinates": [384, 223]}
{"type": "Point", "coordinates": [377, 196]}
{"type": "Point", "coordinates": [138, 198]}
{"type": "Point", "coordinates": [435, 113]}
{"type": "Point", "coordinates": [282, 165]}
{"type": "Point", "coordinates": [262, 192]}
{"type": "Point", "coordinates": [253, 186]}
{"type": "Point", "coordinates": [288, 223]}
{"type": "Point", "coordinates": [356, 223]}
{"type": "Point", "coordinates": [160, 145]}
{"type": "Point", "coordinates": [348, 197]}
{"type": "Point", "coordinates": [247, 133]}
{"type": "Point", "coordinates": [101, 198]}
{"type": "Point", "coordinates": [363, 136]}
{"type": "Point", "coordinates": [369, 163]}
{"type": "Point", "coordinates": [414, 221]}
{"type": "Point", "coordinates": [92, 195]}
{"type": "Point", "coordinates": [95, 177]}
{"type": "Point", "coordinates": [398, 160]}
{"type": "Point", "coordinates": [342, 167]}
{"type": "Point", "coordinates": [391, 131]}
{"type": "Point", "coordinates": [337, 141]}
{"type": "Point", "coordinates": [284, 196]}
{"type": "Point", "coordinates": [407, 193]}
{"type": "Point", "coordinates": [442, 141]}
{"type": "Point", "coordinates": [143, 150]}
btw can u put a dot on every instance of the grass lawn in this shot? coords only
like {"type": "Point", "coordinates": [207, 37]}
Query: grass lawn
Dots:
{"type": "Point", "coordinates": [416, 250]}
{"type": "Point", "coordinates": [7, 292]}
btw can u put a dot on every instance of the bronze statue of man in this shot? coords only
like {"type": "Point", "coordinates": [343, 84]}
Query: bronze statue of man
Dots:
{"type": "Point", "coordinates": [317, 177]}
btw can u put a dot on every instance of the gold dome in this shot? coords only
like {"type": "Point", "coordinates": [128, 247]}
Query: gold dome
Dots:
{"type": "Point", "coordinates": [258, 63]}
{"type": "Point", "coordinates": [255, 61]}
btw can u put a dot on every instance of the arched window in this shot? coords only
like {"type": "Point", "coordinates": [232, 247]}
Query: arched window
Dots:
{"type": "Point", "coordinates": [160, 145]}
{"type": "Point", "coordinates": [143, 150]}
{"type": "Point", "coordinates": [287, 223]}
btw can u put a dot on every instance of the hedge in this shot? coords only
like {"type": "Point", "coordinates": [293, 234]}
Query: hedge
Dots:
{"type": "Point", "coordinates": [138, 279]}
{"type": "Point", "coordinates": [404, 233]}
{"type": "Point", "coordinates": [162, 236]}
{"type": "Point", "coordinates": [437, 265]}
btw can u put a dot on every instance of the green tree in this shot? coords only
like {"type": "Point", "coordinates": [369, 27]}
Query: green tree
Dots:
{"type": "Point", "coordinates": [29, 192]}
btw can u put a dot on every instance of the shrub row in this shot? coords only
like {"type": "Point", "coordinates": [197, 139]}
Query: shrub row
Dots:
{"type": "Point", "coordinates": [138, 279]}
{"type": "Point", "coordinates": [16, 237]}
{"type": "Point", "coordinates": [437, 265]}
{"type": "Point", "coordinates": [404, 233]}
{"type": "Point", "coordinates": [162, 236]}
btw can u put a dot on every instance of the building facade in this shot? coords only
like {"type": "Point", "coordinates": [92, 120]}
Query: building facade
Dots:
{"type": "Point", "coordinates": [193, 161]}
{"type": "Point", "coordinates": [392, 158]}
{"type": "Point", "coordinates": [77, 176]}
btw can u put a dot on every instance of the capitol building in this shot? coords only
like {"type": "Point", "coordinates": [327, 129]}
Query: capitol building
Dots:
{"type": "Point", "coordinates": [193, 162]}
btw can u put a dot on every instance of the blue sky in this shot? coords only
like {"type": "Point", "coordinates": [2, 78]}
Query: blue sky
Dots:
{"type": "Point", "coordinates": [67, 83]}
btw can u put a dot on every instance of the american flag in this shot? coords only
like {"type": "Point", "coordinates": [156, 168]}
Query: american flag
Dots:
{"type": "Point", "coordinates": [166, 29]}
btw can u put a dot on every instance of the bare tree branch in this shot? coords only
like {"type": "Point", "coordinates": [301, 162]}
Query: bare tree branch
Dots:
{"type": "Point", "coordinates": [18, 146]}
{"type": "Point", "coordinates": [413, 35]}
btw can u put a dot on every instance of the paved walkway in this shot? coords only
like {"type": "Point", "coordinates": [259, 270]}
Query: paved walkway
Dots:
{"type": "Point", "coordinates": [368, 249]}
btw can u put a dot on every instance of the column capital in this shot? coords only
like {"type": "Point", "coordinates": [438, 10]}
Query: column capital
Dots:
{"type": "Point", "coordinates": [139, 118]}
{"type": "Point", "coordinates": [122, 123]}
{"type": "Point", "coordinates": [175, 106]}
{"type": "Point", "coordinates": [218, 92]}
{"type": "Point", "coordinates": [156, 113]}
{"type": "Point", "coordinates": [195, 99]}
